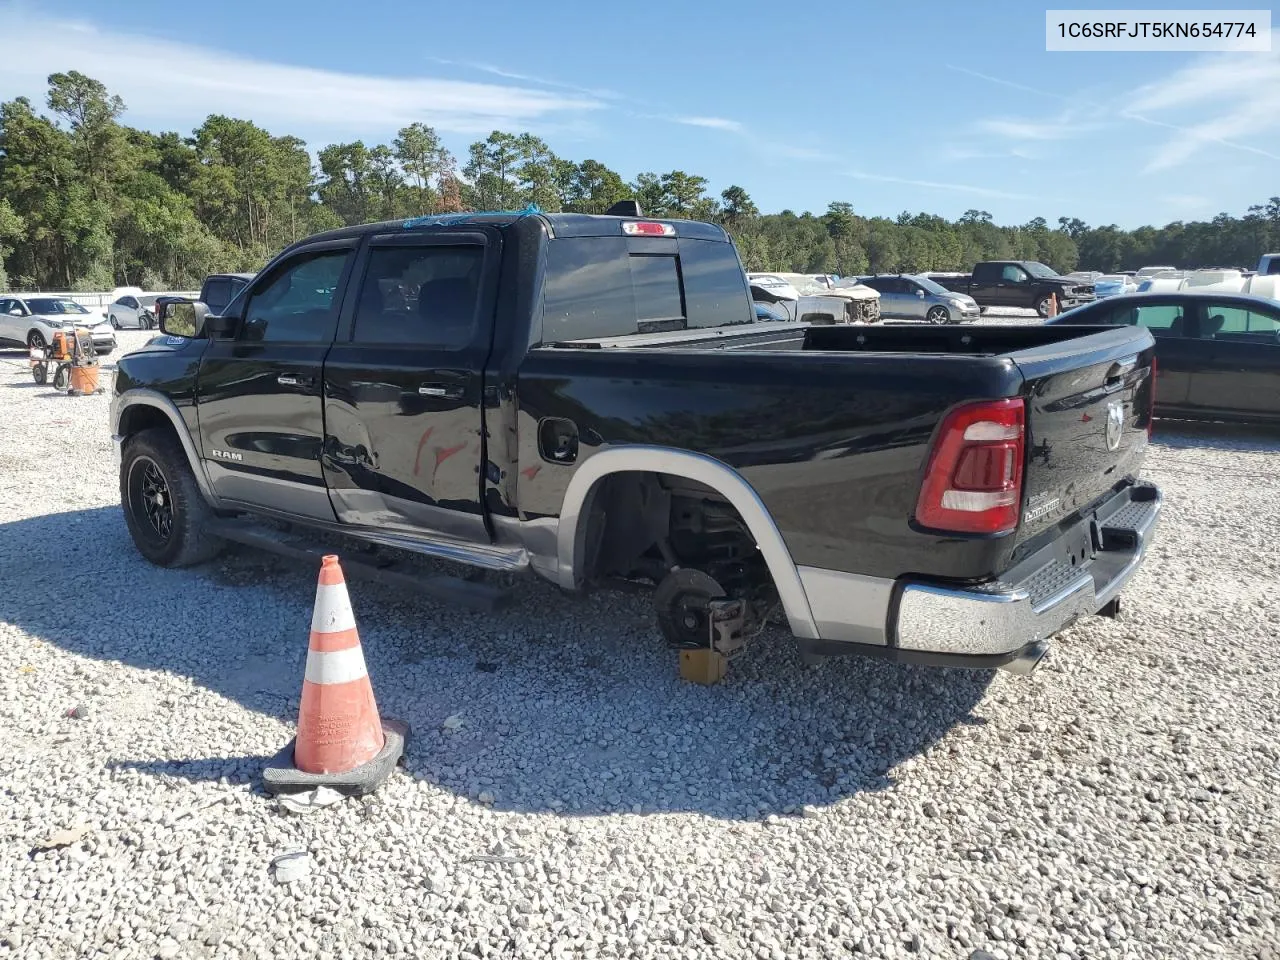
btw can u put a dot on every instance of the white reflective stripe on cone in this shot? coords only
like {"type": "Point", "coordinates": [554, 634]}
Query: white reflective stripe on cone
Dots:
{"type": "Point", "coordinates": [332, 611]}
{"type": "Point", "coordinates": [338, 666]}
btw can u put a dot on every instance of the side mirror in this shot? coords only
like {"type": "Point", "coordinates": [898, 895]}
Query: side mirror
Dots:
{"type": "Point", "coordinates": [182, 318]}
{"type": "Point", "coordinates": [920, 294]}
{"type": "Point", "coordinates": [15, 311]}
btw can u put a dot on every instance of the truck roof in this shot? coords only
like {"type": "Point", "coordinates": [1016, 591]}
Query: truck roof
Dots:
{"type": "Point", "coordinates": [559, 224]}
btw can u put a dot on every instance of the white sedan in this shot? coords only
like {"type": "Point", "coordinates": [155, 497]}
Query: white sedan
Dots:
{"type": "Point", "coordinates": [32, 322]}
{"type": "Point", "coordinates": [133, 311]}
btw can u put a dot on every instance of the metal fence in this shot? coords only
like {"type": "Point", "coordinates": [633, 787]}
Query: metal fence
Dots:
{"type": "Point", "coordinates": [97, 300]}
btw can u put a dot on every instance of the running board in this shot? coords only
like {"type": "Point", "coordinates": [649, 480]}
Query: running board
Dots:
{"type": "Point", "coordinates": [455, 590]}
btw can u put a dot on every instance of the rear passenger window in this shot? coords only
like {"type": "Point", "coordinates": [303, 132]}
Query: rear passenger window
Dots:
{"type": "Point", "coordinates": [424, 296]}
{"type": "Point", "coordinates": [1222, 322]}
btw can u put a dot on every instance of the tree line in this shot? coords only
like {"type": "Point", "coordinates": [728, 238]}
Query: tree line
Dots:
{"type": "Point", "coordinates": [89, 203]}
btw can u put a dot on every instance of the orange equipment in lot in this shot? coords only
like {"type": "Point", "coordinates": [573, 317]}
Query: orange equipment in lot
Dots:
{"type": "Point", "coordinates": [75, 363]}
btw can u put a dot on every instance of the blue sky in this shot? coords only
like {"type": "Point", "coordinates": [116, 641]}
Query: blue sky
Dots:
{"type": "Point", "coordinates": [937, 107]}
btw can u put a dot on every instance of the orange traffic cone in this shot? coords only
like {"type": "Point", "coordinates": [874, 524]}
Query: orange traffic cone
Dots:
{"type": "Point", "coordinates": [341, 741]}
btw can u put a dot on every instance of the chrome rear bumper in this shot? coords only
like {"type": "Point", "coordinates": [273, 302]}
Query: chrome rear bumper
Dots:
{"type": "Point", "coordinates": [1003, 619]}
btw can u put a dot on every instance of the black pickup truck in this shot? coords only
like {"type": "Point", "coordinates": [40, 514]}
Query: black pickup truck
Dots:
{"type": "Point", "coordinates": [591, 399]}
{"type": "Point", "coordinates": [1017, 283]}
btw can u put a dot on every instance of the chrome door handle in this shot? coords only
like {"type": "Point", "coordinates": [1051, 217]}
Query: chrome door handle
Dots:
{"type": "Point", "coordinates": [285, 380]}
{"type": "Point", "coordinates": [439, 390]}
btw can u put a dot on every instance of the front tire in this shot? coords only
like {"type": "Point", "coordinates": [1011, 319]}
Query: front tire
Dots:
{"type": "Point", "coordinates": [1042, 307]}
{"type": "Point", "coordinates": [166, 514]}
{"type": "Point", "coordinates": [115, 324]}
{"type": "Point", "coordinates": [36, 340]}
{"type": "Point", "coordinates": [938, 314]}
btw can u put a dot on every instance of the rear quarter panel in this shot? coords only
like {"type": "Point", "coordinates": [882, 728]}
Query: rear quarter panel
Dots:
{"type": "Point", "coordinates": [835, 445]}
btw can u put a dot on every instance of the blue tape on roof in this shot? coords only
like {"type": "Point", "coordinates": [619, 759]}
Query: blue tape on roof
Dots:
{"type": "Point", "coordinates": [449, 219]}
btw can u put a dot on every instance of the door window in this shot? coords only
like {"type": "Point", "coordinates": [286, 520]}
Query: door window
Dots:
{"type": "Point", "coordinates": [1163, 320]}
{"type": "Point", "coordinates": [298, 304]}
{"type": "Point", "coordinates": [1012, 274]}
{"type": "Point", "coordinates": [217, 295]}
{"type": "Point", "coordinates": [419, 295]}
{"type": "Point", "coordinates": [1222, 322]}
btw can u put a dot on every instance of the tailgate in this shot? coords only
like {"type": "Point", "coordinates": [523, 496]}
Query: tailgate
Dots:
{"type": "Point", "coordinates": [1088, 410]}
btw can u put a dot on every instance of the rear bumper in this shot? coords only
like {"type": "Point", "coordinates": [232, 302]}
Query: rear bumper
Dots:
{"type": "Point", "coordinates": [1044, 595]}
{"type": "Point", "coordinates": [1006, 621]}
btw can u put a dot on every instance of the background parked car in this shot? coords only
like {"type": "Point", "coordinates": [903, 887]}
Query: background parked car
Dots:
{"type": "Point", "coordinates": [913, 297]}
{"type": "Point", "coordinates": [1215, 279]}
{"type": "Point", "coordinates": [1269, 263]}
{"type": "Point", "coordinates": [1113, 284]}
{"type": "Point", "coordinates": [1217, 353]}
{"type": "Point", "coordinates": [132, 311]}
{"type": "Point", "coordinates": [32, 322]}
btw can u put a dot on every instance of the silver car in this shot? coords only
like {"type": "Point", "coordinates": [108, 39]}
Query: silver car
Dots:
{"type": "Point", "coordinates": [133, 311]}
{"type": "Point", "coordinates": [33, 320]}
{"type": "Point", "coordinates": [905, 296]}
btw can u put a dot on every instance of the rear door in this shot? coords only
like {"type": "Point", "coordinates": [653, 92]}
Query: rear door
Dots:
{"type": "Point", "coordinates": [1087, 420]}
{"type": "Point", "coordinates": [259, 392]}
{"type": "Point", "coordinates": [10, 314]}
{"type": "Point", "coordinates": [988, 286]}
{"type": "Point", "coordinates": [1237, 369]}
{"type": "Point", "coordinates": [403, 384]}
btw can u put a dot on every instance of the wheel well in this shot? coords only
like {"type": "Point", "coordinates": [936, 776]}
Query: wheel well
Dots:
{"type": "Point", "coordinates": [639, 524]}
{"type": "Point", "coordinates": [141, 417]}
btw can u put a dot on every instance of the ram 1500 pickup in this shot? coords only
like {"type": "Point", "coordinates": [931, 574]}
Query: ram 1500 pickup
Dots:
{"type": "Point", "coordinates": [591, 399]}
{"type": "Point", "coordinates": [1017, 283]}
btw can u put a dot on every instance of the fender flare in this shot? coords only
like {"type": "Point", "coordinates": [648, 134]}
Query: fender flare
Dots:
{"type": "Point", "coordinates": [152, 398]}
{"type": "Point", "coordinates": [571, 532]}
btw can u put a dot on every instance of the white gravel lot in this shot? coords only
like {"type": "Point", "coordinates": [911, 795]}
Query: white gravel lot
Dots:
{"type": "Point", "coordinates": [1122, 802]}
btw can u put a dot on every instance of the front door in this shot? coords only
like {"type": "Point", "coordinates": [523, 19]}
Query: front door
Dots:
{"type": "Point", "coordinates": [258, 393]}
{"type": "Point", "coordinates": [403, 384]}
{"type": "Point", "coordinates": [1238, 373]}
{"type": "Point", "coordinates": [1176, 350]}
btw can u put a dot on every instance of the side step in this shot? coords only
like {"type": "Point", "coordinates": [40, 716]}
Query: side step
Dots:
{"type": "Point", "coordinates": [455, 590]}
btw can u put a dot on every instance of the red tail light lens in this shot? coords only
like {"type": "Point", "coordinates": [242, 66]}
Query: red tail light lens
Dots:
{"type": "Point", "coordinates": [643, 228]}
{"type": "Point", "coordinates": [973, 483]}
{"type": "Point", "coordinates": [1151, 408]}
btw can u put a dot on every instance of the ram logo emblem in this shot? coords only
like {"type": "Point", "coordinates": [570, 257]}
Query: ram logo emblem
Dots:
{"type": "Point", "coordinates": [1115, 424]}
{"type": "Point", "coordinates": [227, 455]}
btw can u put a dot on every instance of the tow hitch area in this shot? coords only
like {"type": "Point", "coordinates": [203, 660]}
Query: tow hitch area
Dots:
{"type": "Point", "coordinates": [727, 621]}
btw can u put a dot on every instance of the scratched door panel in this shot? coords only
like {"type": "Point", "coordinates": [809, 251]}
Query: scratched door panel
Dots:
{"type": "Point", "coordinates": [403, 390]}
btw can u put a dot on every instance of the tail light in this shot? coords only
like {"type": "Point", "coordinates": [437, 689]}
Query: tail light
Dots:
{"type": "Point", "coordinates": [973, 483]}
{"type": "Point", "coordinates": [1151, 407]}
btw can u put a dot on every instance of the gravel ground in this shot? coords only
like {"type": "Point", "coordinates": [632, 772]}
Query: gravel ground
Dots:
{"type": "Point", "coordinates": [1122, 802]}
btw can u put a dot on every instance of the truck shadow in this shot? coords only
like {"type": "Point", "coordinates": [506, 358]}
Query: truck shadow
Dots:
{"type": "Point", "coordinates": [566, 706]}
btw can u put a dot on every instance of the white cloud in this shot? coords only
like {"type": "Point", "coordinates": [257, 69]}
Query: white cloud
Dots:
{"type": "Point", "coordinates": [951, 187]}
{"type": "Point", "coordinates": [1248, 84]}
{"type": "Point", "coordinates": [1239, 93]}
{"type": "Point", "coordinates": [176, 83]}
{"type": "Point", "coordinates": [711, 123]}
{"type": "Point", "coordinates": [528, 78]}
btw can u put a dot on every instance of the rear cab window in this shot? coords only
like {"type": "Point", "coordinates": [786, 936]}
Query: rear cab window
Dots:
{"type": "Point", "coordinates": [603, 287]}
